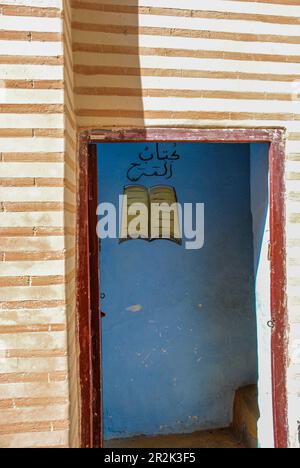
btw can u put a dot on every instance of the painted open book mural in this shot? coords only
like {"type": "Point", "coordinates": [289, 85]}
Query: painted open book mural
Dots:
{"type": "Point", "coordinates": [150, 214]}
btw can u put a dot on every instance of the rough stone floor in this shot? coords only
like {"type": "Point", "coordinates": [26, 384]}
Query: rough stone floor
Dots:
{"type": "Point", "coordinates": [222, 438]}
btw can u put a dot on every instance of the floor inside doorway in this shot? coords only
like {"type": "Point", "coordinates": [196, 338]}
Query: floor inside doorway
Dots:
{"type": "Point", "coordinates": [242, 433]}
{"type": "Point", "coordinates": [221, 438]}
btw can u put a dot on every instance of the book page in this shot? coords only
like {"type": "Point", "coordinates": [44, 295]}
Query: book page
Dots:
{"type": "Point", "coordinates": [165, 222]}
{"type": "Point", "coordinates": [135, 213]}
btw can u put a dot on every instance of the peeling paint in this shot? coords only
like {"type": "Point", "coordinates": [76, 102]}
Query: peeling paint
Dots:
{"type": "Point", "coordinates": [135, 308]}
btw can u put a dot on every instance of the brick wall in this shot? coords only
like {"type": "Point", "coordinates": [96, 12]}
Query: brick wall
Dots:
{"type": "Point", "coordinates": [148, 63]}
{"type": "Point", "coordinates": [70, 223]}
{"type": "Point", "coordinates": [220, 63]}
{"type": "Point", "coordinates": [36, 226]}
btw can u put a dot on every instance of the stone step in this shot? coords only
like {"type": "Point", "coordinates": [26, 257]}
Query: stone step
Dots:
{"type": "Point", "coordinates": [220, 438]}
{"type": "Point", "coordinates": [246, 415]}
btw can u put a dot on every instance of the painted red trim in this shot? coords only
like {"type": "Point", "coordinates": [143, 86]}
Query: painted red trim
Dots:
{"type": "Point", "coordinates": [278, 292]}
{"type": "Point", "coordinates": [91, 430]}
{"type": "Point", "coordinates": [96, 346]}
{"type": "Point", "coordinates": [183, 134]}
{"type": "Point", "coordinates": [83, 300]}
{"type": "Point", "coordinates": [88, 298]}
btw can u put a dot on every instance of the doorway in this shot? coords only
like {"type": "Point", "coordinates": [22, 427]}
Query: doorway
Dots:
{"type": "Point", "coordinates": [184, 336]}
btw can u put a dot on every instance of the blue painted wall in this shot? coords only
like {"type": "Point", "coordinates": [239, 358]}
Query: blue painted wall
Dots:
{"type": "Point", "coordinates": [173, 364]}
{"type": "Point", "coordinates": [261, 238]}
{"type": "Point", "coordinates": [259, 177]}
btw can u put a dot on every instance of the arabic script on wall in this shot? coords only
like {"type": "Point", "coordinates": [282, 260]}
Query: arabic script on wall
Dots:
{"type": "Point", "coordinates": [156, 160]}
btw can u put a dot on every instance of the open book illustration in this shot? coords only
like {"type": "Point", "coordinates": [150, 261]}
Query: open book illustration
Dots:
{"type": "Point", "coordinates": [150, 214]}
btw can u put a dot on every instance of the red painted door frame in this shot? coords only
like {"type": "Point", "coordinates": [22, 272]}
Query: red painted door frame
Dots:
{"type": "Point", "coordinates": [88, 280]}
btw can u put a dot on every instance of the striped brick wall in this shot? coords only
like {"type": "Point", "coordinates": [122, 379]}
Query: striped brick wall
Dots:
{"type": "Point", "coordinates": [137, 63]}
{"type": "Point", "coordinates": [36, 226]}
{"type": "Point", "coordinates": [70, 223]}
{"type": "Point", "coordinates": [146, 63]}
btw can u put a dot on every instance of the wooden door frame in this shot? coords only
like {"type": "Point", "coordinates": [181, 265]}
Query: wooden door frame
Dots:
{"type": "Point", "coordinates": [88, 281]}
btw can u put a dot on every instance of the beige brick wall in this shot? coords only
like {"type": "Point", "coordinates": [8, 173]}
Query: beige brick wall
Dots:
{"type": "Point", "coordinates": [37, 199]}
{"type": "Point", "coordinates": [223, 63]}
{"type": "Point", "coordinates": [70, 221]}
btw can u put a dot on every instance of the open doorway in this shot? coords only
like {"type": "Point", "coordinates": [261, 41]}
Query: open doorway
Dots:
{"type": "Point", "coordinates": [187, 336]}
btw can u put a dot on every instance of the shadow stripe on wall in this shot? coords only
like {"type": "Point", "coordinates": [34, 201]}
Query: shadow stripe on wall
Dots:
{"type": "Point", "coordinates": [186, 115]}
{"type": "Point", "coordinates": [210, 54]}
{"type": "Point", "coordinates": [185, 93]}
{"type": "Point", "coordinates": [190, 33]}
{"type": "Point", "coordinates": [158, 11]}
{"type": "Point", "coordinates": [89, 70]}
